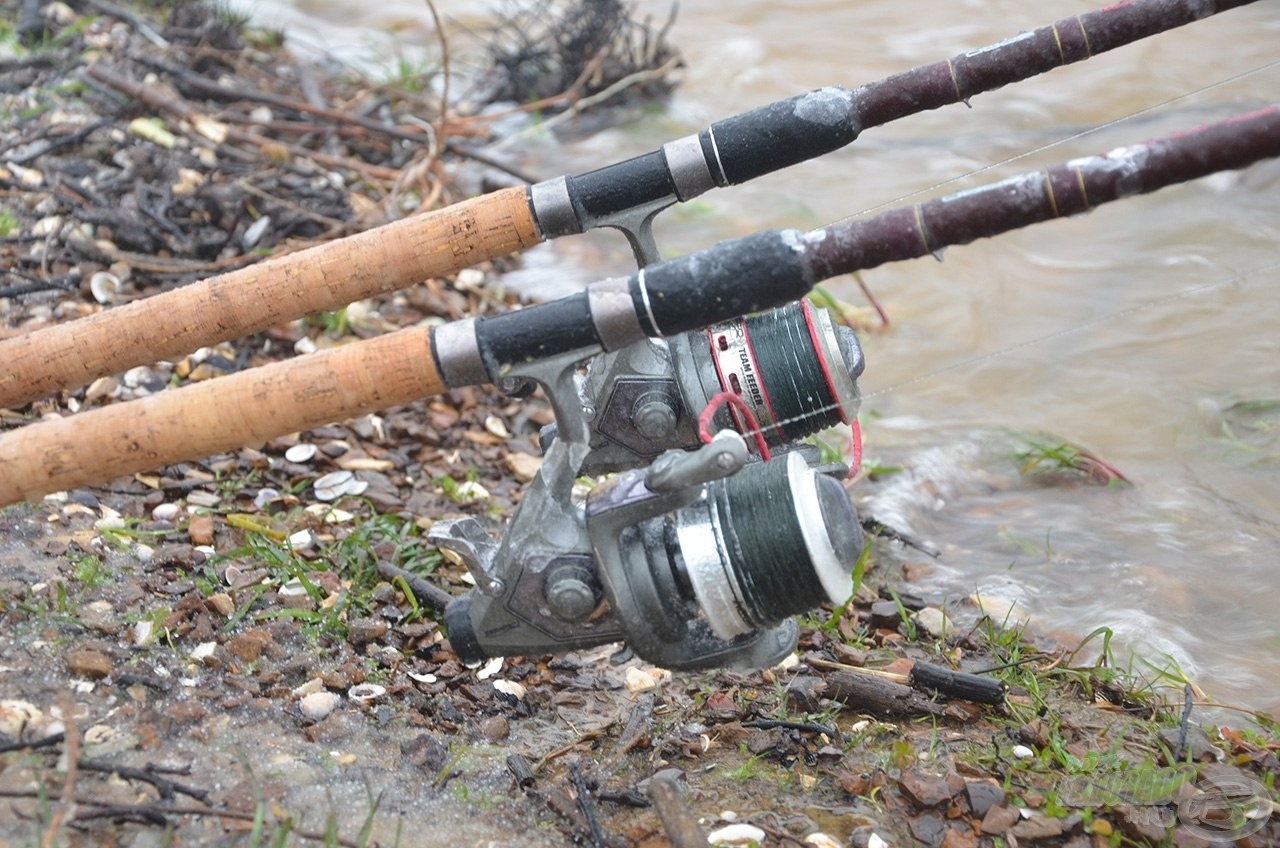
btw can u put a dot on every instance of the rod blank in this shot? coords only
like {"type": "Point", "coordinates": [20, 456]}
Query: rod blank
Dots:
{"type": "Point", "coordinates": [1068, 189]}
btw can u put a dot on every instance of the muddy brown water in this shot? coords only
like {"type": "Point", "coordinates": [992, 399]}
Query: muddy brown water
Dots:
{"type": "Point", "coordinates": [1137, 331]}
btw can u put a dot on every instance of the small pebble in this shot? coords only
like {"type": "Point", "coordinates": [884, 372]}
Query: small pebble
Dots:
{"type": "Point", "coordinates": [203, 651]}
{"type": "Point", "coordinates": [221, 603]}
{"type": "Point", "coordinates": [16, 716]}
{"type": "Point", "coordinates": [205, 499]}
{"type": "Point", "coordinates": [524, 466]}
{"type": "Point", "coordinates": [471, 492]}
{"type": "Point", "coordinates": [497, 427]}
{"type": "Point", "coordinates": [166, 512]}
{"type": "Point", "coordinates": [87, 663]}
{"type": "Point", "coordinates": [300, 453]}
{"type": "Point", "coordinates": [933, 621]}
{"type": "Point", "coordinates": [490, 668]}
{"type": "Point", "coordinates": [295, 595]}
{"type": "Point", "coordinates": [736, 834]}
{"type": "Point", "coordinates": [104, 286]}
{"type": "Point", "coordinates": [105, 738]}
{"type": "Point", "coordinates": [640, 679]}
{"type": "Point", "coordinates": [303, 540]}
{"type": "Point", "coordinates": [101, 388]}
{"type": "Point", "coordinates": [201, 530]}
{"type": "Point", "coordinates": [1022, 752]}
{"type": "Point", "coordinates": [318, 705]}
{"type": "Point", "coordinates": [510, 687]}
{"type": "Point", "coordinates": [365, 463]}
{"type": "Point", "coordinates": [46, 226]}
{"type": "Point", "coordinates": [470, 278]}
{"type": "Point", "coordinates": [110, 520]}
{"type": "Point", "coordinates": [311, 687]}
{"type": "Point", "coordinates": [337, 484]}
{"type": "Point", "coordinates": [249, 646]}
{"type": "Point", "coordinates": [255, 231]}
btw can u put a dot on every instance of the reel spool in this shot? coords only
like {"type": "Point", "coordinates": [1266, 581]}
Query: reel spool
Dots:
{"type": "Point", "coordinates": [794, 368]}
{"type": "Point", "coordinates": [736, 557]}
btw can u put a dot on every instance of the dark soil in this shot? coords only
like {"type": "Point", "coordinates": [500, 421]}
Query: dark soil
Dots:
{"type": "Point", "coordinates": [229, 651]}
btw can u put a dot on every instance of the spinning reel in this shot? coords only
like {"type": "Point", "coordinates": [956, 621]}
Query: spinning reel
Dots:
{"type": "Point", "coordinates": [698, 549]}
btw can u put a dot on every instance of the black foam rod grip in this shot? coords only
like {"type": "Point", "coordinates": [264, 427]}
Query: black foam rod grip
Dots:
{"type": "Point", "coordinates": [535, 333]}
{"type": "Point", "coordinates": [779, 135]}
{"type": "Point", "coordinates": [757, 272]}
{"type": "Point", "coordinates": [624, 185]}
{"type": "Point", "coordinates": [735, 150]}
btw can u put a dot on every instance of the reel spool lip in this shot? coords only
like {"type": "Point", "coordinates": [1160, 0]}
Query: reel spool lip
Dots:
{"type": "Point", "coordinates": [843, 388]}
{"type": "Point", "coordinates": [714, 585]}
{"type": "Point", "coordinates": [836, 580]}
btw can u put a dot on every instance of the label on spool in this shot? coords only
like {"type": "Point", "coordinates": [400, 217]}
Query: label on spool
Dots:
{"type": "Point", "coordinates": [739, 372]}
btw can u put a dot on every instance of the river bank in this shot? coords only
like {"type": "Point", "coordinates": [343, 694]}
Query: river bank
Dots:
{"type": "Point", "coordinates": [224, 652]}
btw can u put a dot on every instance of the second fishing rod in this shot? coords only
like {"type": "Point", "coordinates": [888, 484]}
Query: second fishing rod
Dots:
{"type": "Point", "coordinates": [727, 282]}
{"type": "Point", "coordinates": [624, 196]}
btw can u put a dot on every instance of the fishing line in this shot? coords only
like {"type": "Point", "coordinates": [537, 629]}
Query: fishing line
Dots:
{"type": "Point", "coordinates": [1082, 134]}
{"type": "Point", "coordinates": [1240, 279]}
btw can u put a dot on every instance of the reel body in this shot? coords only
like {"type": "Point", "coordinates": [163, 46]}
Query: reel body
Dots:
{"type": "Point", "coordinates": [696, 555]}
{"type": "Point", "coordinates": [667, 558]}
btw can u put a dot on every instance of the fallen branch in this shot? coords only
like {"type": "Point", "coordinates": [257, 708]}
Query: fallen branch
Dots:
{"type": "Point", "coordinates": [148, 813]}
{"type": "Point", "coordinates": [586, 807]}
{"type": "Point", "coordinates": [944, 681]}
{"type": "Point", "coordinates": [63, 283]}
{"type": "Point", "coordinates": [874, 694]}
{"type": "Point", "coordinates": [679, 822]}
{"type": "Point", "coordinates": [67, 803]}
{"type": "Point", "coordinates": [578, 106]}
{"type": "Point", "coordinates": [209, 88]}
{"type": "Point", "coordinates": [167, 788]}
{"type": "Point", "coordinates": [52, 739]}
{"type": "Point", "coordinates": [166, 99]}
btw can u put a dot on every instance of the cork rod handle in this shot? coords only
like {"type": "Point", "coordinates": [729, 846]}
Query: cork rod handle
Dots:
{"type": "Point", "coordinates": [201, 419]}
{"type": "Point", "coordinates": [248, 300]}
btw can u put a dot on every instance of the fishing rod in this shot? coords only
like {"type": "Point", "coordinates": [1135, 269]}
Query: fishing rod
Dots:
{"type": "Point", "coordinates": [695, 557]}
{"type": "Point", "coordinates": [731, 279]}
{"type": "Point", "coordinates": [625, 196]}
